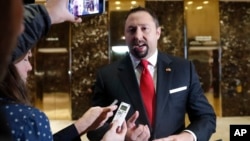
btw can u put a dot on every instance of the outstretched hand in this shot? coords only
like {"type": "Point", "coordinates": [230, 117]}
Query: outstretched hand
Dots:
{"type": "Point", "coordinates": [94, 118]}
{"type": "Point", "coordinates": [59, 13]}
{"type": "Point", "coordinates": [136, 132]}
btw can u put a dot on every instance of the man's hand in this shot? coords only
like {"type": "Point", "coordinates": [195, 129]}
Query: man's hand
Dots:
{"type": "Point", "coordinates": [184, 136]}
{"type": "Point", "coordinates": [136, 132]}
{"type": "Point", "coordinates": [59, 12]}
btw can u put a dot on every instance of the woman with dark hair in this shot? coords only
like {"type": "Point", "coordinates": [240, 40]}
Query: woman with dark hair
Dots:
{"type": "Point", "coordinates": [24, 121]}
{"type": "Point", "coordinates": [27, 122]}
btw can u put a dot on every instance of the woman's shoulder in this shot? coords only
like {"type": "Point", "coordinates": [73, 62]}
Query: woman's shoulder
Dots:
{"type": "Point", "coordinates": [16, 109]}
{"type": "Point", "coordinates": [27, 122]}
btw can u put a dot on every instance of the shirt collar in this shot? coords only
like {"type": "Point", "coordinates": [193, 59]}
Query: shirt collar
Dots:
{"type": "Point", "coordinates": [152, 59]}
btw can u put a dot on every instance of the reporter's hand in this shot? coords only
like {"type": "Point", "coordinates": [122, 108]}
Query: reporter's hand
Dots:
{"type": "Point", "coordinates": [184, 136]}
{"type": "Point", "coordinates": [59, 13]}
{"type": "Point", "coordinates": [94, 118]}
{"type": "Point", "coordinates": [136, 132]}
{"type": "Point", "coordinates": [115, 133]}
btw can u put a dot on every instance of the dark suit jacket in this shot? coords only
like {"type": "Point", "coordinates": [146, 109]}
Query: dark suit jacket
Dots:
{"type": "Point", "coordinates": [178, 92]}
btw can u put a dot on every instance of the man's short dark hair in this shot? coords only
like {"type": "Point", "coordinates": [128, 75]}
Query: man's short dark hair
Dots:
{"type": "Point", "coordinates": [150, 12]}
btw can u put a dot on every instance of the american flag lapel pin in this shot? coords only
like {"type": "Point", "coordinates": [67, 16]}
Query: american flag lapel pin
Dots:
{"type": "Point", "coordinates": [168, 69]}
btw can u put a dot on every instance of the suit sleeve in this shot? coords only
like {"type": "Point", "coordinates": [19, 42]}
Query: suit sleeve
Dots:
{"type": "Point", "coordinates": [37, 23]}
{"type": "Point", "coordinates": [67, 134]}
{"type": "Point", "coordinates": [201, 113]}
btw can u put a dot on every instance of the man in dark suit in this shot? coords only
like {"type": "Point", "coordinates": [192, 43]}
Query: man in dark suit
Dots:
{"type": "Point", "coordinates": [176, 84]}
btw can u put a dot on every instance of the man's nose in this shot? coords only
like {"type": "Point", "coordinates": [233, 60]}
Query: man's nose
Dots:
{"type": "Point", "coordinates": [138, 34]}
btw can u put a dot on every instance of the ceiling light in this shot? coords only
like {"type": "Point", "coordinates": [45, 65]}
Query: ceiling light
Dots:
{"type": "Point", "coordinates": [117, 2]}
{"type": "Point", "coordinates": [133, 2]}
{"type": "Point", "coordinates": [205, 2]}
{"type": "Point", "coordinates": [199, 7]}
{"type": "Point", "coordinates": [123, 37]}
{"type": "Point", "coordinates": [190, 2]}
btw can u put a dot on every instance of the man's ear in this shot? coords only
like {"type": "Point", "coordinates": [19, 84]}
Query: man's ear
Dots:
{"type": "Point", "coordinates": [158, 32]}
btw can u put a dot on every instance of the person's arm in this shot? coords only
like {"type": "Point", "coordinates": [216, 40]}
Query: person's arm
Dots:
{"type": "Point", "coordinates": [94, 118]}
{"type": "Point", "coordinates": [201, 114]}
{"type": "Point", "coordinates": [90, 120]}
{"type": "Point", "coordinates": [69, 133]}
{"type": "Point", "coordinates": [37, 21]}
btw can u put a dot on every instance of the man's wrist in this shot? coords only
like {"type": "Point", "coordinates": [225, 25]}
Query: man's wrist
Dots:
{"type": "Point", "coordinates": [192, 133]}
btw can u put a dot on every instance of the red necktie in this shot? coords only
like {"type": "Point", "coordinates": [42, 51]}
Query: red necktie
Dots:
{"type": "Point", "coordinates": [147, 90]}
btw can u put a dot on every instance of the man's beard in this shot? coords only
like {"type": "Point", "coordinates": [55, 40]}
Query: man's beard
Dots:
{"type": "Point", "coordinates": [139, 54]}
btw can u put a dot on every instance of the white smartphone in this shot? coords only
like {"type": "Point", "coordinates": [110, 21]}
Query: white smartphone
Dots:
{"type": "Point", "coordinates": [121, 112]}
{"type": "Point", "coordinates": [86, 7]}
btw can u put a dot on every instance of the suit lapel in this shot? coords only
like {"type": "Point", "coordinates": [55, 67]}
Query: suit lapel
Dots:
{"type": "Point", "coordinates": [164, 79]}
{"type": "Point", "coordinates": [129, 81]}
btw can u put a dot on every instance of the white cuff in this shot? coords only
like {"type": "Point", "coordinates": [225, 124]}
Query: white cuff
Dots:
{"type": "Point", "coordinates": [192, 133]}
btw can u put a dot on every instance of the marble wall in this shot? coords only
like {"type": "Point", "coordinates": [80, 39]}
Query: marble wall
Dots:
{"type": "Point", "coordinates": [171, 18]}
{"type": "Point", "coordinates": [235, 60]}
{"type": "Point", "coordinates": [89, 50]}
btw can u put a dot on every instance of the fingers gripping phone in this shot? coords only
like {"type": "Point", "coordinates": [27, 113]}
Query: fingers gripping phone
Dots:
{"type": "Point", "coordinates": [86, 7]}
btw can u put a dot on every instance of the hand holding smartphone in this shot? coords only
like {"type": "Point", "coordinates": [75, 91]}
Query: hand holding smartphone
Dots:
{"type": "Point", "coordinates": [86, 7]}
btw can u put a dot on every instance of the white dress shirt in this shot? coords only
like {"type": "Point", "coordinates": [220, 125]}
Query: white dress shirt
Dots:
{"type": "Point", "coordinates": [151, 67]}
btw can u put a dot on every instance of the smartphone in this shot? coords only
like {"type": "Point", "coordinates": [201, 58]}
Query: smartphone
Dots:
{"type": "Point", "coordinates": [86, 7]}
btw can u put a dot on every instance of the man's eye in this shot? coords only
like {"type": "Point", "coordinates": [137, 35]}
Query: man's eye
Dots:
{"type": "Point", "coordinates": [132, 30]}
{"type": "Point", "coordinates": [145, 29]}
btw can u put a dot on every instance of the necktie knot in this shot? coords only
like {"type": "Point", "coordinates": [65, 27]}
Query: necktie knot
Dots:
{"type": "Point", "coordinates": [144, 64]}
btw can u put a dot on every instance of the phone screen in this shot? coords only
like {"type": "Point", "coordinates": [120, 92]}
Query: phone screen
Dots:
{"type": "Point", "coordinates": [86, 7]}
